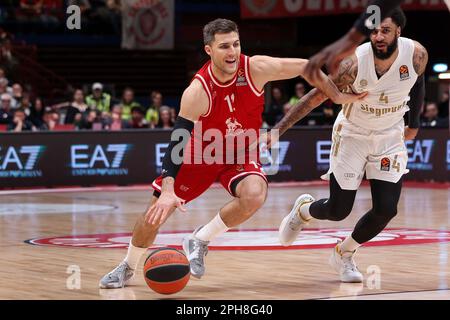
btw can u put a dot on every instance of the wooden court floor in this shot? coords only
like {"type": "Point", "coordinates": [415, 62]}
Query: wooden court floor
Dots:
{"type": "Point", "coordinates": [410, 260]}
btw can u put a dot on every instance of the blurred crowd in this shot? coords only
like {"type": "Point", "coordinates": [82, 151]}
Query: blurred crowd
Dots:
{"type": "Point", "coordinates": [99, 110]}
{"type": "Point", "coordinates": [433, 114]}
{"type": "Point", "coordinates": [96, 110]}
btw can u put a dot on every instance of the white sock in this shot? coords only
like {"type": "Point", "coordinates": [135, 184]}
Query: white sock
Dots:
{"type": "Point", "coordinates": [134, 254]}
{"type": "Point", "coordinates": [349, 245]}
{"type": "Point", "coordinates": [214, 228]}
{"type": "Point", "coordinates": [304, 211]}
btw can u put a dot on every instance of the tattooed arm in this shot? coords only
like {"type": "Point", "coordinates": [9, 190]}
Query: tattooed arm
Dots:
{"type": "Point", "coordinates": [420, 58]}
{"type": "Point", "coordinates": [348, 69]}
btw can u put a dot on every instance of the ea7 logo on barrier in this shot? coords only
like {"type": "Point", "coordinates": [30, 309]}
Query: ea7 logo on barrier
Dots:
{"type": "Point", "coordinates": [19, 162]}
{"type": "Point", "coordinates": [419, 154]}
{"type": "Point", "coordinates": [323, 150]}
{"type": "Point", "coordinates": [89, 160]}
{"type": "Point", "coordinates": [273, 160]}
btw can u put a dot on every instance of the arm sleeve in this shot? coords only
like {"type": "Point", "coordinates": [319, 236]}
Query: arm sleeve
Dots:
{"type": "Point", "coordinates": [173, 158]}
{"type": "Point", "coordinates": [417, 96]}
{"type": "Point", "coordinates": [386, 7]}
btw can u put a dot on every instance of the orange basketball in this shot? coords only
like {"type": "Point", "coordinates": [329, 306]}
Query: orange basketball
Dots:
{"type": "Point", "coordinates": [166, 271]}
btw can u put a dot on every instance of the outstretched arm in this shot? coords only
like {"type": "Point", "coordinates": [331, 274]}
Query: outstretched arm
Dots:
{"type": "Point", "coordinates": [264, 69]}
{"type": "Point", "coordinates": [194, 103]}
{"type": "Point", "coordinates": [302, 108]}
{"type": "Point", "coordinates": [345, 77]}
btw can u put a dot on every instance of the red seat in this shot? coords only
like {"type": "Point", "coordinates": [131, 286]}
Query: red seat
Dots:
{"type": "Point", "coordinates": [64, 127]}
{"type": "Point", "coordinates": [3, 127]}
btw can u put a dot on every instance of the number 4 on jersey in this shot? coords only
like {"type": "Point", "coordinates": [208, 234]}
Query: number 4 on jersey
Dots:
{"type": "Point", "coordinates": [384, 98]}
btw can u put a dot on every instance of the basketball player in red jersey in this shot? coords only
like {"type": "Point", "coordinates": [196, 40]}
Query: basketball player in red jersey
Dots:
{"type": "Point", "coordinates": [225, 97]}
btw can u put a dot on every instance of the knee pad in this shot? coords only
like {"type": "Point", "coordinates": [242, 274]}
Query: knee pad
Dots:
{"type": "Point", "coordinates": [339, 210]}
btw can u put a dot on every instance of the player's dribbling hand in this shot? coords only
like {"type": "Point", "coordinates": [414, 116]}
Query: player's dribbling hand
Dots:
{"type": "Point", "coordinates": [158, 213]}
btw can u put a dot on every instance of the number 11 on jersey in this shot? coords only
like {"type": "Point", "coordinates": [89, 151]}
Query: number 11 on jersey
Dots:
{"type": "Point", "coordinates": [230, 100]}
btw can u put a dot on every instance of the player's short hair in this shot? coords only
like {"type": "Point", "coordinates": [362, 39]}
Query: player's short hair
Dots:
{"type": "Point", "coordinates": [398, 16]}
{"type": "Point", "coordinates": [218, 26]}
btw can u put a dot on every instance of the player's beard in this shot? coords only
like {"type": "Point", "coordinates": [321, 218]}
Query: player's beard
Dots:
{"type": "Point", "coordinates": [390, 48]}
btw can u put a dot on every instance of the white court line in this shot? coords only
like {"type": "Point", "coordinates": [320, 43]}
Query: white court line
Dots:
{"type": "Point", "coordinates": [140, 187]}
{"type": "Point", "coordinates": [293, 184]}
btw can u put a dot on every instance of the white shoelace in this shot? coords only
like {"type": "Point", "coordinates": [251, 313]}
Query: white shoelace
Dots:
{"type": "Point", "coordinates": [349, 264]}
{"type": "Point", "coordinates": [200, 250]}
{"type": "Point", "coordinates": [121, 268]}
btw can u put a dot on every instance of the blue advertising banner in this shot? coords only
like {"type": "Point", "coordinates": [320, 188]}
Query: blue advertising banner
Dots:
{"type": "Point", "coordinates": [86, 158]}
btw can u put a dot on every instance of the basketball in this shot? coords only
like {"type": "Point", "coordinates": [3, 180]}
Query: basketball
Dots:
{"type": "Point", "coordinates": [166, 271]}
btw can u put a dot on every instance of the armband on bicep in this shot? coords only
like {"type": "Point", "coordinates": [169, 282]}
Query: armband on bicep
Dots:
{"type": "Point", "coordinates": [173, 158]}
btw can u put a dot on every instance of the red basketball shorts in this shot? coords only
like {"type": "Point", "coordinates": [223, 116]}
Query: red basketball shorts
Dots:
{"type": "Point", "coordinates": [194, 179]}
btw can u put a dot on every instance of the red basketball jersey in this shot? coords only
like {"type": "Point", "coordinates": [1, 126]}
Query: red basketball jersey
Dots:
{"type": "Point", "coordinates": [235, 107]}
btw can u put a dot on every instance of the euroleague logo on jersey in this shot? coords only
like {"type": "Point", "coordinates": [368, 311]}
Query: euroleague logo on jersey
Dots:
{"type": "Point", "coordinates": [251, 239]}
{"type": "Point", "coordinates": [385, 164]}
{"type": "Point", "coordinates": [404, 72]}
{"type": "Point", "coordinates": [241, 81]}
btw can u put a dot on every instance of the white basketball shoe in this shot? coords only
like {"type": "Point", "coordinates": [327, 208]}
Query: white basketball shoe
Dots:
{"type": "Point", "coordinates": [293, 223]}
{"type": "Point", "coordinates": [344, 265]}
{"type": "Point", "coordinates": [121, 276]}
{"type": "Point", "coordinates": [196, 251]}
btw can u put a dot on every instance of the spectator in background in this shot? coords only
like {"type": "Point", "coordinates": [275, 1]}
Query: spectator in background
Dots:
{"type": "Point", "coordinates": [444, 105]}
{"type": "Point", "coordinates": [430, 116]}
{"type": "Point", "coordinates": [2, 73]}
{"type": "Point", "coordinates": [37, 113]}
{"type": "Point", "coordinates": [115, 121]}
{"type": "Point", "coordinates": [286, 108]}
{"type": "Point", "coordinates": [128, 103]}
{"type": "Point", "coordinates": [299, 93]}
{"type": "Point", "coordinates": [99, 100]}
{"type": "Point", "coordinates": [84, 5]}
{"type": "Point", "coordinates": [7, 59]}
{"type": "Point", "coordinates": [73, 109]}
{"type": "Point", "coordinates": [50, 120]}
{"type": "Point", "coordinates": [275, 108]}
{"type": "Point", "coordinates": [173, 114]}
{"type": "Point", "coordinates": [328, 114]}
{"type": "Point", "coordinates": [110, 16]}
{"type": "Point", "coordinates": [17, 93]}
{"type": "Point", "coordinates": [165, 118]}
{"type": "Point", "coordinates": [29, 11]}
{"type": "Point", "coordinates": [152, 115]}
{"type": "Point", "coordinates": [137, 120]}
{"type": "Point", "coordinates": [19, 122]}
{"type": "Point", "coordinates": [25, 104]}
{"type": "Point", "coordinates": [52, 12]}
{"type": "Point", "coordinates": [6, 114]}
{"type": "Point", "coordinates": [91, 120]}
{"type": "Point", "coordinates": [4, 86]}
